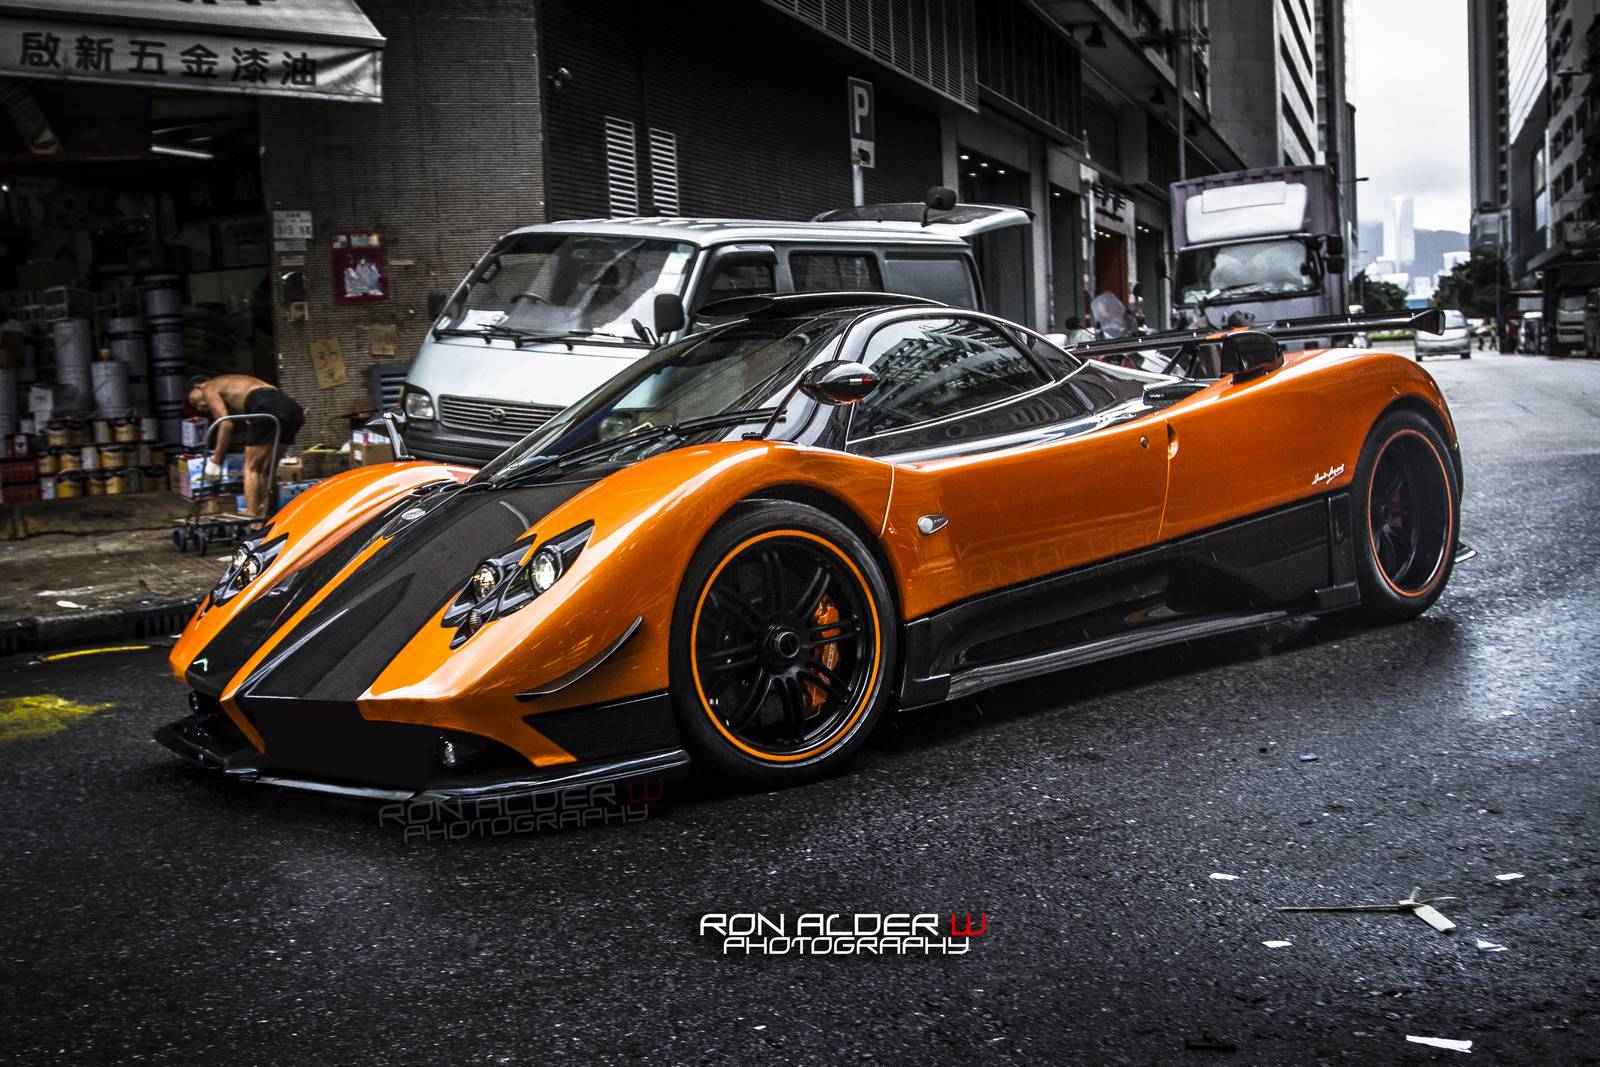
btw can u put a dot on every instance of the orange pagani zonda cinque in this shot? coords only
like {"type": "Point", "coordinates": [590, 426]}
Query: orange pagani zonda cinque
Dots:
{"type": "Point", "coordinates": [751, 544]}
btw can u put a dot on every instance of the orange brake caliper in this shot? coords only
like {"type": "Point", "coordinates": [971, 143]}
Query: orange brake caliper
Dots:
{"type": "Point", "coordinates": [826, 615]}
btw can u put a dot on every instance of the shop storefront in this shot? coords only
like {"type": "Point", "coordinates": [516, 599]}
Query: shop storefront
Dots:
{"type": "Point", "coordinates": [133, 215]}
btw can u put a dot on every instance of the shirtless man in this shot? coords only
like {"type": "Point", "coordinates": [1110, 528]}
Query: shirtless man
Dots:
{"type": "Point", "coordinates": [240, 394]}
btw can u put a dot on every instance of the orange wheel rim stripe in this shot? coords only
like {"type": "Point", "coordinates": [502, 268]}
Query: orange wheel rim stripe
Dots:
{"type": "Point", "coordinates": [872, 677]}
{"type": "Point", "coordinates": [1450, 514]}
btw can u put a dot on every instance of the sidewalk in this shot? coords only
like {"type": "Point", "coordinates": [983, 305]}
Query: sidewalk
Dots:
{"type": "Point", "coordinates": [96, 569]}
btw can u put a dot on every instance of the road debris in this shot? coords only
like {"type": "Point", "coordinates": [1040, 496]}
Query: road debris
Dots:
{"type": "Point", "coordinates": [1220, 877]}
{"type": "Point", "coordinates": [1489, 946]}
{"type": "Point", "coordinates": [1277, 944]}
{"type": "Point", "coordinates": [1416, 904]}
{"type": "Point", "coordinates": [1441, 1042]}
{"type": "Point", "coordinates": [1507, 877]}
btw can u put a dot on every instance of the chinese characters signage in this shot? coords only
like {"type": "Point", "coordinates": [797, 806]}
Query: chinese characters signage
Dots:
{"type": "Point", "coordinates": [358, 272]}
{"type": "Point", "coordinates": [203, 45]}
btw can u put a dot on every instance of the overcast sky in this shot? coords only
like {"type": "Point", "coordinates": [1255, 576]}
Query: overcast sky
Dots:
{"type": "Point", "coordinates": [1408, 81]}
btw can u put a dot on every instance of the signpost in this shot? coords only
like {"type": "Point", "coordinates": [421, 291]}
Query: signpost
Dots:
{"type": "Point", "coordinates": [863, 134]}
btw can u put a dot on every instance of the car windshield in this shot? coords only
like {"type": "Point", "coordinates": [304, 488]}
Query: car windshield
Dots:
{"type": "Point", "coordinates": [744, 367]}
{"type": "Point", "coordinates": [1571, 301]}
{"type": "Point", "coordinates": [1283, 267]}
{"type": "Point", "coordinates": [557, 285]}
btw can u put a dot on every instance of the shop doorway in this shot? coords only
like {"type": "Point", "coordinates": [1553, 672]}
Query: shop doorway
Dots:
{"type": "Point", "coordinates": [1005, 256]}
{"type": "Point", "coordinates": [1067, 298]}
{"type": "Point", "coordinates": [1111, 264]}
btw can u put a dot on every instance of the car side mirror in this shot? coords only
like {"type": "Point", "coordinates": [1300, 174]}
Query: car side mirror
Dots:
{"type": "Point", "coordinates": [391, 424]}
{"type": "Point", "coordinates": [669, 313]}
{"type": "Point", "coordinates": [436, 299]}
{"type": "Point", "coordinates": [838, 383]}
{"type": "Point", "coordinates": [1248, 353]}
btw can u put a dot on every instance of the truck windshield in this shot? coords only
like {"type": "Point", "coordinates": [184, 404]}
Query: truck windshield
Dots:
{"type": "Point", "coordinates": [1281, 267]}
{"type": "Point", "coordinates": [560, 285]}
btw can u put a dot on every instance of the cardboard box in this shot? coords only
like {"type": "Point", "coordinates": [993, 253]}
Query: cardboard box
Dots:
{"type": "Point", "coordinates": [368, 447]}
{"type": "Point", "coordinates": [194, 432]}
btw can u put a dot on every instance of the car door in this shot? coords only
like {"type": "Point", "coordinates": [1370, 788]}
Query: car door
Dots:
{"type": "Point", "coordinates": [1004, 474]}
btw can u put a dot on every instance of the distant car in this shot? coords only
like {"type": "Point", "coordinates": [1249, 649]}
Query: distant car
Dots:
{"type": "Point", "coordinates": [1455, 339]}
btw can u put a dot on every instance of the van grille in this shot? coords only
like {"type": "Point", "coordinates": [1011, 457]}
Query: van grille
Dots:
{"type": "Point", "coordinates": [499, 417]}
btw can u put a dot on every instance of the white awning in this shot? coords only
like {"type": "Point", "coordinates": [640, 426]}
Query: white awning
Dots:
{"type": "Point", "coordinates": [317, 49]}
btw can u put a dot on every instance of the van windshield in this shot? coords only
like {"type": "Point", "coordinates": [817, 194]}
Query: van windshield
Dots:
{"type": "Point", "coordinates": [557, 285]}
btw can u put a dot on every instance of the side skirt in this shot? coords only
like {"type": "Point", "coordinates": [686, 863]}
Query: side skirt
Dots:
{"type": "Point", "coordinates": [1297, 560]}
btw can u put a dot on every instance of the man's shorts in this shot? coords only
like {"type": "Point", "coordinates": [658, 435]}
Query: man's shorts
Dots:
{"type": "Point", "coordinates": [271, 402]}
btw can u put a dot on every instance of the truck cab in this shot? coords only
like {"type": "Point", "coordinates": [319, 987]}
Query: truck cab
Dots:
{"type": "Point", "coordinates": [553, 311]}
{"type": "Point", "coordinates": [1258, 244]}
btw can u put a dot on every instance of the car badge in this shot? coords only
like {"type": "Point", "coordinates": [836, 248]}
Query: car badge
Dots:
{"type": "Point", "coordinates": [412, 514]}
{"type": "Point", "coordinates": [497, 414]}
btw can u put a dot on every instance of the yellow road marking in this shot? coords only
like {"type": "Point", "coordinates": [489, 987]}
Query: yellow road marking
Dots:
{"type": "Point", "coordinates": [24, 718]}
{"type": "Point", "coordinates": [54, 656]}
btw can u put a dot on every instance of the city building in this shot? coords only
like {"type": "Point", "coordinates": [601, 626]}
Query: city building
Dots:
{"type": "Point", "coordinates": [1400, 233]}
{"type": "Point", "coordinates": [1534, 96]}
{"type": "Point", "coordinates": [1268, 103]}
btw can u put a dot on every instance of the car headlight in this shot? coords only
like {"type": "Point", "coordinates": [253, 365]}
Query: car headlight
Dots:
{"type": "Point", "coordinates": [501, 585]}
{"type": "Point", "coordinates": [244, 567]}
{"type": "Point", "coordinates": [417, 404]}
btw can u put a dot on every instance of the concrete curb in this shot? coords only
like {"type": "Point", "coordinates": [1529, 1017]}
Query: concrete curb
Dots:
{"type": "Point", "coordinates": [139, 620]}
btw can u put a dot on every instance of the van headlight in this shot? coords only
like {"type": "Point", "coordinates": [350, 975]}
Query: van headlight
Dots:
{"type": "Point", "coordinates": [502, 584]}
{"type": "Point", "coordinates": [417, 404]}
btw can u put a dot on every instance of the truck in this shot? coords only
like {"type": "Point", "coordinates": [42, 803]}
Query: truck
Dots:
{"type": "Point", "coordinates": [1264, 244]}
{"type": "Point", "coordinates": [1566, 290]}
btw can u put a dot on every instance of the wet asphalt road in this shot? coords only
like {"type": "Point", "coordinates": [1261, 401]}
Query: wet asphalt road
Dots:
{"type": "Point", "coordinates": [153, 915]}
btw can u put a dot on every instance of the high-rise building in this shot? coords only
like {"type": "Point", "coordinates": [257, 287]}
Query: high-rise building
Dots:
{"type": "Point", "coordinates": [1535, 122]}
{"type": "Point", "coordinates": [1267, 104]}
{"type": "Point", "coordinates": [1336, 115]}
{"type": "Point", "coordinates": [1399, 233]}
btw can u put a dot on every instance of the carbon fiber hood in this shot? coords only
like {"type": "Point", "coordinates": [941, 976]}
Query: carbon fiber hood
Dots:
{"type": "Point", "coordinates": [338, 650]}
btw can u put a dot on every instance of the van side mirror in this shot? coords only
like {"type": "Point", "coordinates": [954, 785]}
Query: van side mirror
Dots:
{"type": "Point", "coordinates": [937, 198]}
{"type": "Point", "coordinates": [838, 383]}
{"type": "Point", "coordinates": [436, 299]}
{"type": "Point", "coordinates": [669, 313]}
{"type": "Point", "coordinates": [1247, 353]}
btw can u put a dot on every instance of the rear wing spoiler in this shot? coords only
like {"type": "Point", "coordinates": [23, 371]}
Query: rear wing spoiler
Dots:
{"type": "Point", "coordinates": [1430, 320]}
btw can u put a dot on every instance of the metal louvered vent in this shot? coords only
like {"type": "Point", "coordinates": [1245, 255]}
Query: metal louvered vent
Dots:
{"type": "Point", "coordinates": [930, 40]}
{"type": "Point", "coordinates": [664, 171]}
{"type": "Point", "coordinates": [622, 167]}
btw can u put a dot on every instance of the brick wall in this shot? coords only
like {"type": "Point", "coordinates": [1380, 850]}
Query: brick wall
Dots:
{"type": "Point", "coordinates": [450, 160]}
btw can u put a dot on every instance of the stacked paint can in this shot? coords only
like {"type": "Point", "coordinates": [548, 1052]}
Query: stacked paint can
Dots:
{"type": "Point", "coordinates": [163, 305]}
{"type": "Point", "coordinates": [126, 337]}
{"type": "Point", "coordinates": [72, 357]}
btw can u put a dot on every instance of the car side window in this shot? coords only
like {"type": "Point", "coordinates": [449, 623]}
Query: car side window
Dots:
{"type": "Point", "coordinates": [931, 368]}
{"type": "Point", "coordinates": [741, 277]}
{"type": "Point", "coordinates": [835, 272]}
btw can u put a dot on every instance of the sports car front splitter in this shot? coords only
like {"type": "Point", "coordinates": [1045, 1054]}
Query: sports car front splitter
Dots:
{"type": "Point", "coordinates": [213, 742]}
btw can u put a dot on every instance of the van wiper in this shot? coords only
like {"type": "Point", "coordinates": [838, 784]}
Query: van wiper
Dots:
{"type": "Point", "coordinates": [638, 437]}
{"type": "Point", "coordinates": [495, 329]}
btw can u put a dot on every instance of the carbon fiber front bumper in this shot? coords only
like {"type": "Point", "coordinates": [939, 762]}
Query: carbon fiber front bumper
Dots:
{"type": "Point", "coordinates": [210, 740]}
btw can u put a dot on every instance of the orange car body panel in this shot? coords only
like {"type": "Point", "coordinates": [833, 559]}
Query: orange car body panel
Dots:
{"type": "Point", "coordinates": [1013, 515]}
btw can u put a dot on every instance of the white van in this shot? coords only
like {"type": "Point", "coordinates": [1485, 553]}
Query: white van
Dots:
{"type": "Point", "coordinates": [552, 311]}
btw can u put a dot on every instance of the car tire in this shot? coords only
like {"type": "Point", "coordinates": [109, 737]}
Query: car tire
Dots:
{"type": "Point", "coordinates": [783, 648]}
{"type": "Point", "coordinates": [1405, 502]}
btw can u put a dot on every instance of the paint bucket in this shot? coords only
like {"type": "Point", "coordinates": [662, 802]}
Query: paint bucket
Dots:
{"type": "Point", "coordinates": [68, 459]}
{"type": "Point", "coordinates": [168, 390]}
{"type": "Point", "coordinates": [116, 482]}
{"type": "Point", "coordinates": [89, 457]}
{"type": "Point", "coordinates": [8, 400]}
{"type": "Point", "coordinates": [113, 457]}
{"type": "Point", "coordinates": [125, 431]}
{"type": "Point", "coordinates": [148, 428]}
{"type": "Point", "coordinates": [69, 484]}
{"type": "Point", "coordinates": [111, 390]}
{"type": "Point", "coordinates": [47, 463]}
{"type": "Point", "coordinates": [47, 487]}
{"type": "Point", "coordinates": [126, 338]}
{"type": "Point", "coordinates": [100, 431]}
{"type": "Point", "coordinates": [163, 295]}
{"type": "Point", "coordinates": [155, 479]}
{"type": "Point", "coordinates": [63, 433]}
{"type": "Point", "coordinates": [96, 482]}
{"type": "Point", "coordinates": [73, 355]}
{"type": "Point", "coordinates": [166, 346]}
